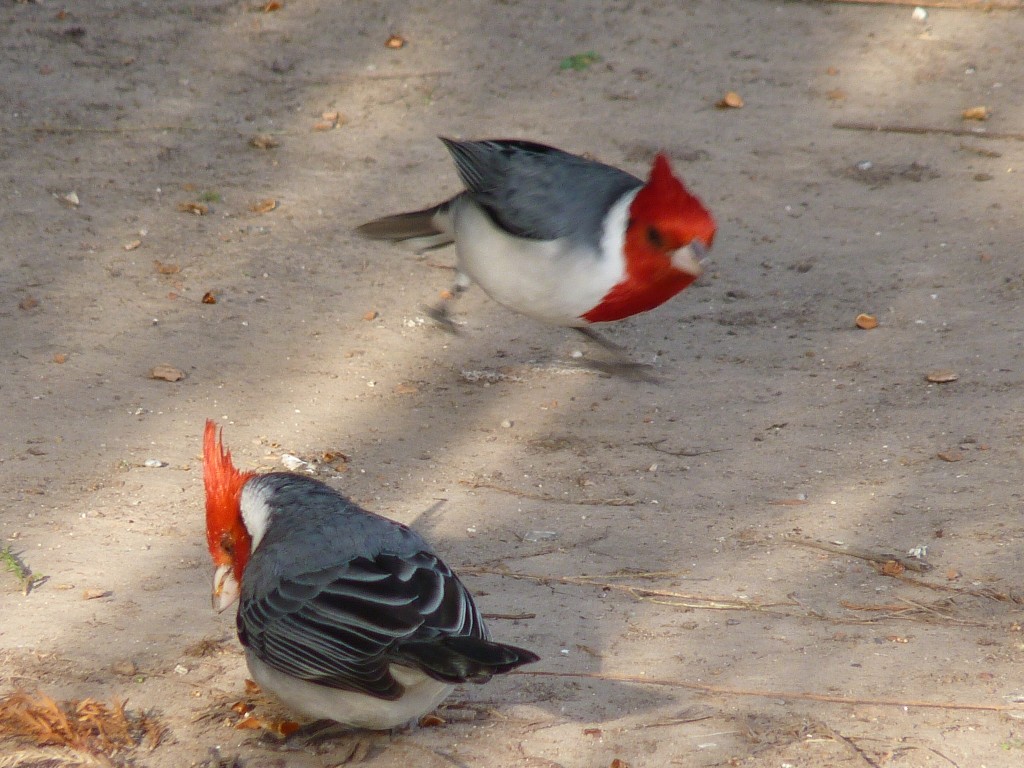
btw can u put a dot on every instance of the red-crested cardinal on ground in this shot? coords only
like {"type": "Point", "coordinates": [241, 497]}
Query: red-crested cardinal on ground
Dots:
{"type": "Point", "coordinates": [565, 240]}
{"type": "Point", "coordinates": [344, 614]}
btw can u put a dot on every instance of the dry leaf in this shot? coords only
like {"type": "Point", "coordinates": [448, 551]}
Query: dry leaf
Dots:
{"type": "Point", "coordinates": [592, 732]}
{"type": "Point", "coordinates": [60, 358]}
{"type": "Point", "coordinates": [199, 209]}
{"type": "Point", "coordinates": [950, 456]}
{"type": "Point", "coordinates": [241, 707]}
{"type": "Point", "coordinates": [166, 269]}
{"type": "Point", "coordinates": [71, 198]}
{"type": "Point", "coordinates": [893, 568]}
{"type": "Point", "coordinates": [132, 245]}
{"type": "Point", "coordinates": [166, 372]}
{"type": "Point", "coordinates": [431, 721]}
{"type": "Point", "coordinates": [272, 5]}
{"type": "Point", "coordinates": [209, 298]}
{"type": "Point", "coordinates": [731, 100]}
{"type": "Point", "coordinates": [395, 42]}
{"type": "Point", "coordinates": [29, 302]}
{"type": "Point", "coordinates": [953, 574]}
{"type": "Point", "coordinates": [264, 206]}
{"type": "Point", "coordinates": [371, 315]}
{"type": "Point", "coordinates": [865, 321]}
{"type": "Point", "coordinates": [406, 389]}
{"type": "Point", "coordinates": [264, 141]}
{"type": "Point", "coordinates": [447, 295]}
{"type": "Point", "coordinates": [837, 94]}
{"type": "Point", "coordinates": [251, 687]}
{"type": "Point", "coordinates": [323, 125]}
{"type": "Point", "coordinates": [617, 763]}
{"type": "Point", "coordinates": [976, 113]}
{"type": "Point", "coordinates": [942, 377]}
{"type": "Point", "coordinates": [94, 594]}
{"type": "Point", "coordinates": [331, 117]}
{"type": "Point", "coordinates": [248, 723]}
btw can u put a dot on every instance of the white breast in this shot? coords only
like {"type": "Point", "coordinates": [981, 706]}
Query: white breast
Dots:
{"type": "Point", "coordinates": [422, 695]}
{"type": "Point", "coordinates": [551, 281]}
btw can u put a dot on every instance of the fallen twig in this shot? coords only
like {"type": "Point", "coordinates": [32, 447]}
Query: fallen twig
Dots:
{"type": "Point", "coordinates": [957, 5]}
{"type": "Point", "coordinates": [771, 694]}
{"type": "Point", "coordinates": [510, 616]}
{"type": "Point", "coordinates": [875, 557]}
{"type": "Point", "coordinates": [676, 599]}
{"type": "Point", "coordinates": [920, 130]}
{"type": "Point", "coordinates": [548, 497]}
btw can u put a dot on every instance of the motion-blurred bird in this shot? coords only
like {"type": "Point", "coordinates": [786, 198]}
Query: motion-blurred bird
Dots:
{"type": "Point", "coordinates": [344, 614]}
{"type": "Point", "coordinates": [557, 237]}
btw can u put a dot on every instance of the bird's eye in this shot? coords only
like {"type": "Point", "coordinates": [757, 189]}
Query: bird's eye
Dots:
{"type": "Point", "coordinates": [227, 543]}
{"type": "Point", "coordinates": [654, 237]}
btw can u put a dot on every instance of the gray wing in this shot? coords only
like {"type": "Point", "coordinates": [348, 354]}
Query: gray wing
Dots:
{"type": "Point", "coordinates": [343, 626]}
{"type": "Point", "coordinates": [539, 192]}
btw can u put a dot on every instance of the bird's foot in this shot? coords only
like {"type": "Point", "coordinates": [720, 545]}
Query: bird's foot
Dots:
{"type": "Point", "coordinates": [347, 744]}
{"type": "Point", "coordinates": [626, 369]}
{"type": "Point", "coordinates": [440, 315]}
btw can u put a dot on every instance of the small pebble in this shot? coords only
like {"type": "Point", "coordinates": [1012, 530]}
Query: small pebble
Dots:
{"type": "Point", "coordinates": [155, 463]}
{"type": "Point", "coordinates": [507, 424]}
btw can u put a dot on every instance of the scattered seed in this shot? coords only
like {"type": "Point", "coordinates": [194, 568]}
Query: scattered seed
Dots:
{"type": "Point", "coordinates": [395, 42]}
{"type": "Point", "coordinates": [131, 246]}
{"type": "Point", "coordinates": [264, 141]}
{"type": "Point", "coordinates": [976, 113]}
{"type": "Point", "coordinates": [942, 377]}
{"type": "Point", "coordinates": [865, 321]}
{"type": "Point", "coordinates": [166, 372]}
{"type": "Point", "coordinates": [731, 100]}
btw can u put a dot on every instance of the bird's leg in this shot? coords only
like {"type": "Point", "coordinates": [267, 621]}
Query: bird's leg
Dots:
{"type": "Point", "coordinates": [621, 365]}
{"type": "Point", "coordinates": [315, 736]}
{"type": "Point", "coordinates": [440, 313]}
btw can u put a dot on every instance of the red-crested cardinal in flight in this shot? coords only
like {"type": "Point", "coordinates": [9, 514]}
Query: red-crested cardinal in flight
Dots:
{"type": "Point", "coordinates": [344, 614]}
{"type": "Point", "coordinates": [565, 240]}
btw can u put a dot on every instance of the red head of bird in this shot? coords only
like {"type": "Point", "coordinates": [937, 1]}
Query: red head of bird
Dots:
{"type": "Point", "coordinates": [668, 232]}
{"type": "Point", "coordinates": [226, 536]}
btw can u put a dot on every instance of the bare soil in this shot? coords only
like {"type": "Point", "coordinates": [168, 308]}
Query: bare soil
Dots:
{"type": "Point", "coordinates": [625, 531]}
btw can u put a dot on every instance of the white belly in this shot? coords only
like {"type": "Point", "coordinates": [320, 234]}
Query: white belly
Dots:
{"type": "Point", "coordinates": [422, 695]}
{"type": "Point", "coordinates": [546, 280]}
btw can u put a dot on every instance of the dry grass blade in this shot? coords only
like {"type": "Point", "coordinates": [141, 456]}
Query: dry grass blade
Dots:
{"type": "Point", "coordinates": [52, 757]}
{"type": "Point", "coordinates": [87, 726]}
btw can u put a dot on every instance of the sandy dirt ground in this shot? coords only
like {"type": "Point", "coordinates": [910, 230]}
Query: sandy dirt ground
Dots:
{"type": "Point", "coordinates": [625, 531]}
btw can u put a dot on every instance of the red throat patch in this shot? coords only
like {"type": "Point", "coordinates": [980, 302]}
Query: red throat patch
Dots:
{"type": "Point", "coordinates": [226, 537]}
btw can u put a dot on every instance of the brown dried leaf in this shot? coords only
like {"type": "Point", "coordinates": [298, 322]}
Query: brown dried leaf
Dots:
{"type": "Point", "coordinates": [264, 206]}
{"type": "Point", "coordinates": [953, 574]}
{"type": "Point", "coordinates": [406, 389]}
{"type": "Point", "coordinates": [29, 302]}
{"type": "Point", "coordinates": [166, 372]}
{"type": "Point", "coordinates": [950, 456]}
{"type": "Point", "coordinates": [131, 246]}
{"type": "Point", "coordinates": [432, 721]}
{"type": "Point", "coordinates": [942, 377]}
{"type": "Point", "coordinates": [593, 732]}
{"type": "Point", "coordinates": [249, 723]}
{"type": "Point", "coordinates": [251, 687]}
{"type": "Point", "coordinates": [976, 113]}
{"type": "Point", "coordinates": [272, 5]}
{"type": "Point", "coordinates": [60, 358]}
{"type": "Point", "coordinates": [166, 269]}
{"type": "Point", "coordinates": [731, 100]}
{"type": "Point", "coordinates": [893, 568]}
{"type": "Point", "coordinates": [865, 321]}
{"type": "Point", "coordinates": [395, 42]}
{"type": "Point", "coordinates": [209, 298]}
{"type": "Point", "coordinates": [94, 594]}
{"type": "Point", "coordinates": [241, 707]}
{"type": "Point", "coordinates": [618, 763]}
{"type": "Point", "coordinates": [264, 141]}
{"type": "Point", "coordinates": [199, 209]}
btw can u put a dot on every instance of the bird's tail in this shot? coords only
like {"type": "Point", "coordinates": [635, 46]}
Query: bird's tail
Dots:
{"type": "Point", "coordinates": [423, 230]}
{"type": "Point", "coordinates": [463, 659]}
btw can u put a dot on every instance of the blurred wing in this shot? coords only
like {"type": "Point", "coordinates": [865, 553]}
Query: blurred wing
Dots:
{"type": "Point", "coordinates": [340, 626]}
{"type": "Point", "coordinates": [538, 192]}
